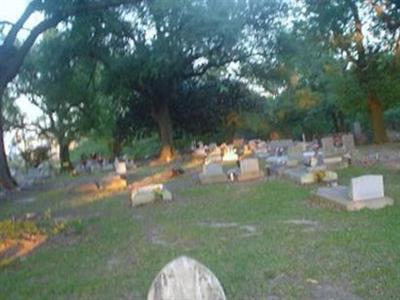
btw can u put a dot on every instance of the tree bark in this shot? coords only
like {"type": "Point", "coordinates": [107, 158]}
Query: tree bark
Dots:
{"type": "Point", "coordinates": [116, 147]}
{"type": "Point", "coordinates": [161, 115]}
{"type": "Point", "coordinates": [376, 114]}
{"type": "Point", "coordinates": [6, 180]}
{"type": "Point", "coordinates": [335, 121]}
{"type": "Point", "coordinates": [65, 162]}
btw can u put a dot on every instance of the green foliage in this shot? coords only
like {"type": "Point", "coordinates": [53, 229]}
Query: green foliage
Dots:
{"type": "Point", "coordinates": [392, 117]}
{"type": "Point", "coordinates": [88, 146]}
{"type": "Point", "coordinates": [10, 229]}
{"type": "Point", "coordinates": [143, 148]}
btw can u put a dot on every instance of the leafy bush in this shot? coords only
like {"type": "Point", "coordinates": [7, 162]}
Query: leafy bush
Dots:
{"type": "Point", "coordinates": [392, 118]}
{"type": "Point", "coordinates": [10, 229]}
{"type": "Point", "coordinates": [143, 148]}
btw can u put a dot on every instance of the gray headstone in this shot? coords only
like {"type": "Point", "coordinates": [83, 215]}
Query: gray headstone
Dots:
{"type": "Point", "coordinates": [185, 279]}
{"type": "Point", "coordinates": [348, 142]}
{"type": "Point", "coordinates": [249, 165]}
{"type": "Point", "coordinates": [213, 169]}
{"type": "Point", "coordinates": [366, 187]}
{"type": "Point", "coordinates": [357, 130]}
{"type": "Point", "coordinates": [296, 151]}
{"type": "Point", "coordinates": [328, 146]}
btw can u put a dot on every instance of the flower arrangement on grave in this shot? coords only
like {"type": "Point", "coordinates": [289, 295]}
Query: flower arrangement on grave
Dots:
{"type": "Point", "coordinates": [319, 176]}
{"type": "Point", "coordinates": [158, 194]}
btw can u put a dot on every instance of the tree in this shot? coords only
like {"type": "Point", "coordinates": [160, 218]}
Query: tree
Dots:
{"type": "Point", "coordinates": [12, 53]}
{"type": "Point", "coordinates": [64, 88]}
{"type": "Point", "coordinates": [175, 41]}
{"type": "Point", "coordinates": [353, 28]}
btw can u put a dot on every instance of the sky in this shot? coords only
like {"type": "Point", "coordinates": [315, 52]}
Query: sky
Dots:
{"type": "Point", "coordinates": [10, 10]}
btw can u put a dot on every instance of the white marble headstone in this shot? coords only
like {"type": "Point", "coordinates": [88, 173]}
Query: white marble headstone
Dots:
{"type": "Point", "coordinates": [366, 187]}
{"type": "Point", "coordinates": [185, 279]}
{"type": "Point", "coordinates": [120, 168]}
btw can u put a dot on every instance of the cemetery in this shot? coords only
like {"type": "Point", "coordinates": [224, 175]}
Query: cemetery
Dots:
{"type": "Point", "coordinates": [199, 150]}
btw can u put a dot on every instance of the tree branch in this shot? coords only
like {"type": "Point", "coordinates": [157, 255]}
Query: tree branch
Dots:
{"type": "Point", "coordinates": [12, 34]}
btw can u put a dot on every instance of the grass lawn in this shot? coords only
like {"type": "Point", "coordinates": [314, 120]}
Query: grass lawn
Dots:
{"type": "Point", "coordinates": [263, 240]}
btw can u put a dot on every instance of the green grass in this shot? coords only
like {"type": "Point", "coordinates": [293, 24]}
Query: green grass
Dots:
{"type": "Point", "coordinates": [114, 252]}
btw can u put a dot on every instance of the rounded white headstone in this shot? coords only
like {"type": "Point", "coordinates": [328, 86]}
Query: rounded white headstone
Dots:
{"type": "Point", "coordinates": [185, 279]}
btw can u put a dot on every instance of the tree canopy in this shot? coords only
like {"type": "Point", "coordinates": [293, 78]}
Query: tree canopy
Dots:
{"type": "Point", "coordinates": [189, 67]}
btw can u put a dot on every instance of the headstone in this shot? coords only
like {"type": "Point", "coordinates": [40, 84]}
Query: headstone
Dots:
{"type": "Point", "coordinates": [348, 142]}
{"type": "Point", "coordinates": [250, 169]}
{"type": "Point", "coordinates": [150, 193]}
{"type": "Point", "coordinates": [120, 167]}
{"type": "Point", "coordinates": [212, 173]}
{"type": "Point", "coordinates": [185, 279]}
{"type": "Point", "coordinates": [296, 151]}
{"type": "Point", "coordinates": [358, 133]}
{"type": "Point", "coordinates": [364, 192]}
{"type": "Point", "coordinates": [366, 188]}
{"type": "Point", "coordinates": [328, 146]}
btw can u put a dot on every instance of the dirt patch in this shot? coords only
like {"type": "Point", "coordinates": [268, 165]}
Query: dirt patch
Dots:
{"type": "Point", "coordinates": [13, 249]}
{"type": "Point", "coordinates": [248, 230]}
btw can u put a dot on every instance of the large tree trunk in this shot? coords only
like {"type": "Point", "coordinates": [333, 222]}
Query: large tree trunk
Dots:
{"type": "Point", "coordinates": [116, 147]}
{"type": "Point", "coordinates": [65, 162]}
{"type": "Point", "coordinates": [376, 114]}
{"type": "Point", "coordinates": [6, 180]}
{"type": "Point", "coordinates": [162, 116]}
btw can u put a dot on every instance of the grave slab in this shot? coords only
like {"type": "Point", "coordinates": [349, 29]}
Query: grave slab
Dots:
{"type": "Point", "coordinates": [212, 173]}
{"type": "Point", "coordinates": [300, 175]}
{"type": "Point", "coordinates": [339, 197]}
{"type": "Point", "coordinates": [149, 194]}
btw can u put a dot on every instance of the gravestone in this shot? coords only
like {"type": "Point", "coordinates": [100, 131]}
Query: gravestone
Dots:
{"type": "Point", "coordinates": [296, 151]}
{"type": "Point", "coordinates": [366, 188]}
{"type": "Point", "coordinates": [295, 154]}
{"type": "Point", "coordinates": [250, 169]}
{"type": "Point", "coordinates": [120, 167]}
{"type": "Point", "coordinates": [328, 146]}
{"type": "Point", "coordinates": [348, 142]}
{"type": "Point", "coordinates": [212, 173]}
{"type": "Point", "coordinates": [364, 192]}
{"type": "Point", "coordinates": [359, 135]}
{"type": "Point", "coordinates": [149, 194]}
{"type": "Point", "coordinates": [185, 279]}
